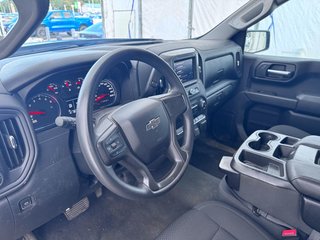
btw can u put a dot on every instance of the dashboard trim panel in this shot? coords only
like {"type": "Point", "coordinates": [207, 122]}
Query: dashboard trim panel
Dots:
{"type": "Point", "coordinates": [10, 106]}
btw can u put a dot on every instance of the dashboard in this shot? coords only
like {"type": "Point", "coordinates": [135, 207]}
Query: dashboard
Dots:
{"type": "Point", "coordinates": [48, 86]}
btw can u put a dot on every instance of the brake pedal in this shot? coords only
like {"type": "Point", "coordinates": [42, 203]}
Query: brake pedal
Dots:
{"type": "Point", "coordinates": [77, 209]}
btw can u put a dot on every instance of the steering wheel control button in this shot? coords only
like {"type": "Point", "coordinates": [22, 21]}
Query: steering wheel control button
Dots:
{"type": "Point", "coordinates": [115, 145]}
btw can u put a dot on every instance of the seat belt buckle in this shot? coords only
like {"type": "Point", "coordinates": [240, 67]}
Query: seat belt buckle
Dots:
{"type": "Point", "coordinates": [291, 234]}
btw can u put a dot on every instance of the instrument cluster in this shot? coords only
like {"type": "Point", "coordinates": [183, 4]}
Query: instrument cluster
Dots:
{"type": "Point", "coordinates": [58, 96]}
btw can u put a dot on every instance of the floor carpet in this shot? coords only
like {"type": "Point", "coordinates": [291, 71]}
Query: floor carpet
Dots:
{"type": "Point", "coordinates": [207, 155]}
{"type": "Point", "coordinates": [112, 217]}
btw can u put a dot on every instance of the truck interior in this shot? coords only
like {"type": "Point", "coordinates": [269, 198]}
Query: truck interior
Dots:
{"type": "Point", "coordinates": [202, 138]}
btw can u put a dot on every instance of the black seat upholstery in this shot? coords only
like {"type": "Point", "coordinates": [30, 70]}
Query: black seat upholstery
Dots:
{"type": "Point", "coordinates": [213, 221]}
{"type": "Point", "coordinates": [289, 130]}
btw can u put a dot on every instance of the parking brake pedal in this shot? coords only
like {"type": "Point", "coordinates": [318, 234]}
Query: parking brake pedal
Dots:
{"type": "Point", "coordinates": [77, 209]}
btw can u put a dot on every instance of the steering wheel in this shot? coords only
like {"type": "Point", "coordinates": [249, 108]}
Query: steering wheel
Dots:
{"type": "Point", "coordinates": [136, 134]}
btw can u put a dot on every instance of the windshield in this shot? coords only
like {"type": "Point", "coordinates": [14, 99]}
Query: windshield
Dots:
{"type": "Point", "coordinates": [125, 19]}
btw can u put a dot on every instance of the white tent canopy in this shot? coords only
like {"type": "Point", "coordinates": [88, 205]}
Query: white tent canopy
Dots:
{"type": "Point", "coordinates": [292, 27]}
{"type": "Point", "coordinates": [166, 19]}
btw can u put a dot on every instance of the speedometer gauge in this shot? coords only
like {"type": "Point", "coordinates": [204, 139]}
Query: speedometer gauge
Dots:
{"type": "Point", "coordinates": [106, 94]}
{"type": "Point", "coordinates": [43, 110]}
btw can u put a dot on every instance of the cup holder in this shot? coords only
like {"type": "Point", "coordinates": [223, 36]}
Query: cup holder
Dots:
{"type": "Point", "coordinates": [262, 143]}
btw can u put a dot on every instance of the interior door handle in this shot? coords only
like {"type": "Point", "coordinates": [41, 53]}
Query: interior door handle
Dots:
{"type": "Point", "coordinates": [281, 73]}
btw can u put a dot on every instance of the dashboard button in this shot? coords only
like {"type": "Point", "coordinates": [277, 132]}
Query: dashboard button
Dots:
{"type": "Point", "coordinates": [194, 91]}
{"type": "Point", "coordinates": [25, 203]}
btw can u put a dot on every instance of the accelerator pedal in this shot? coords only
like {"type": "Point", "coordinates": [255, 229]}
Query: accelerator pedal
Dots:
{"type": "Point", "coordinates": [77, 209]}
{"type": "Point", "coordinates": [28, 236]}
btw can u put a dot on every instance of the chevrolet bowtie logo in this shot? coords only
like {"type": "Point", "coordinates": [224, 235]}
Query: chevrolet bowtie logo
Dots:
{"type": "Point", "coordinates": [153, 124]}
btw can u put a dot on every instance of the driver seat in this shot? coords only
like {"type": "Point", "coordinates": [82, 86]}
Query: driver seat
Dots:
{"type": "Point", "coordinates": [214, 221]}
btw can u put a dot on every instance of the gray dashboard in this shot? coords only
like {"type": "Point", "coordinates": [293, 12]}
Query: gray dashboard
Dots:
{"type": "Point", "coordinates": [53, 153]}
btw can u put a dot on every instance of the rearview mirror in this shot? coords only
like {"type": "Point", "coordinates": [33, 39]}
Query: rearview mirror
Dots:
{"type": "Point", "coordinates": [257, 41]}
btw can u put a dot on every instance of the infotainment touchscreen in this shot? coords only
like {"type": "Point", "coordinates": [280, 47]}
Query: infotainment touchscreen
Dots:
{"type": "Point", "coordinates": [185, 69]}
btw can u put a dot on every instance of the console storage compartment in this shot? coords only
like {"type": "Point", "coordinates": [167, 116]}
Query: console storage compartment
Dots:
{"type": "Point", "coordinates": [283, 152]}
{"type": "Point", "coordinates": [258, 174]}
{"type": "Point", "coordinates": [263, 152]}
{"type": "Point", "coordinates": [289, 140]}
{"type": "Point", "coordinates": [262, 163]}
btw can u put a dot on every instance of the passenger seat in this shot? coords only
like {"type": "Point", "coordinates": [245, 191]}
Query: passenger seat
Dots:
{"type": "Point", "coordinates": [290, 131]}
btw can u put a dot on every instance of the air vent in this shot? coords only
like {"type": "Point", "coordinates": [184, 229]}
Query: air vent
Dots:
{"type": "Point", "coordinates": [11, 143]}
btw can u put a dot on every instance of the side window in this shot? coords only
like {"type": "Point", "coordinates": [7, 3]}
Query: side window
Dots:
{"type": "Point", "coordinates": [67, 15]}
{"type": "Point", "coordinates": [8, 17]}
{"type": "Point", "coordinates": [55, 15]}
{"type": "Point", "coordinates": [293, 31]}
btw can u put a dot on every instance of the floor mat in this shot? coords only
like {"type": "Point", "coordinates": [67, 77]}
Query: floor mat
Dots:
{"type": "Point", "coordinates": [112, 217]}
{"type": "Point", "coordinates": [207, 155]}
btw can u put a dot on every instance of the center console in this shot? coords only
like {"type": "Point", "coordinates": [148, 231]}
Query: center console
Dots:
{"type": "Point", "coordinates": [185, 62]}
{"type": "Point", "coordinates": [279, 175]}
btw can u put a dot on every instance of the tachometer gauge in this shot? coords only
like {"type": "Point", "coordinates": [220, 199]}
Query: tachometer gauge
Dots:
{"type": "Point", "coordinates": [106, 94]}
{"type": "Point", "coordinates": [43, 110]}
